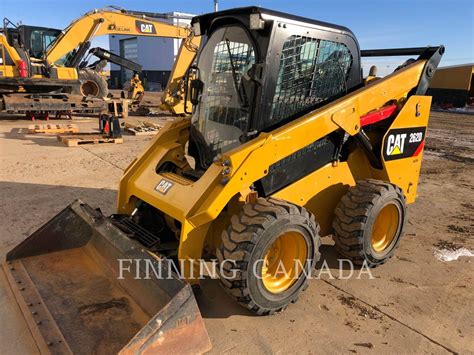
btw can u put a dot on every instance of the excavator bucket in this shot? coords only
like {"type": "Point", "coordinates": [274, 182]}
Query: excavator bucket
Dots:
{"type": "Point", "coordinates": [67, 281]}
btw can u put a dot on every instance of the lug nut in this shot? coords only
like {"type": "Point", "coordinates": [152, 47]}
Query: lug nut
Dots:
{"type": "Point", "coordinates": [226, 171]}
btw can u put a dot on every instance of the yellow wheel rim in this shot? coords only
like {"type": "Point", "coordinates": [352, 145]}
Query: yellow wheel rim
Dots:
{"type": "Point", "coordinates": [284, 261]}
{"type": "Point", "coordinates": [385, 228]}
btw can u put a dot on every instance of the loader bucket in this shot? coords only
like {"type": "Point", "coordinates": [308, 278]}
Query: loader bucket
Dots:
{"type": "Point", "coordinates": [65, 278]}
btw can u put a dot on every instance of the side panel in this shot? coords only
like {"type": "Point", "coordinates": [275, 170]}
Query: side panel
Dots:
{"type": "Point", "coordinates": [403, 145]}
{"type": "Point", "coordinates": [67, 73]}
{"type": "Point", "coordinates": [320, 191]}
{"type": "Point", "coordinates": [402, 151]}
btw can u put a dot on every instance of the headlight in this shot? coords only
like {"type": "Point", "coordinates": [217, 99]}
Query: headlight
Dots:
{"type": "Point", "coordinates": [256, 23]}
{"type": "Point", "coordinates": [197, 28]}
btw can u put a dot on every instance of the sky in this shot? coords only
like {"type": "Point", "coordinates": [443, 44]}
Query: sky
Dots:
{"type": "Point", "coordinates": [376, 24]}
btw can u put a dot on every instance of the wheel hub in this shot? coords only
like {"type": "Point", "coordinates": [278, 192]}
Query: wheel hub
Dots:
{"type": "Point", "coordinates": [385, 227]}
{"type": "Point", "coordinates": [284, 261]}
{"type": "Point", "coordinates": [89, 88]}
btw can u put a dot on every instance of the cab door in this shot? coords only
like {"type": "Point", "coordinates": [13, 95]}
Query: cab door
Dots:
{"type": "Point", "coordinates": [7, 60]}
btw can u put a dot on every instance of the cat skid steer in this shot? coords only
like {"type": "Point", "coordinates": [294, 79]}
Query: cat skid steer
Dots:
{"type": "Point", "coordinates": [287, 141]}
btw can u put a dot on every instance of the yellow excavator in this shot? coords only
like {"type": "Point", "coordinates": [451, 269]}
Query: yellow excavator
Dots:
{"type": "Point", "coordinates": [35, 61]}
{"type": "Point", "coordinates": [287, 142]}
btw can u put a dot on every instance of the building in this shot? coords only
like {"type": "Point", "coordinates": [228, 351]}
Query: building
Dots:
{"type": "Point", "coordinates": [453, 86]}
{"type": "Point", "coordinates": [155, 54]}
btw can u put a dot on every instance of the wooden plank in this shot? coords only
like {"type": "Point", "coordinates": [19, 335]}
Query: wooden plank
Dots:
{"type": "Point", "coordinates": [53, 128]}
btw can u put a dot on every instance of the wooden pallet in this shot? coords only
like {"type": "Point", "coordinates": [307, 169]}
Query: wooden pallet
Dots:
{"type": "Point", "coordinates": [53, 128]}
{"type": "Point", "coordinates": [87, 138]}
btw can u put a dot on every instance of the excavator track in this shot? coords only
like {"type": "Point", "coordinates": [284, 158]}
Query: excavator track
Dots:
{"type": "Point", "coordinates": [17, 102]}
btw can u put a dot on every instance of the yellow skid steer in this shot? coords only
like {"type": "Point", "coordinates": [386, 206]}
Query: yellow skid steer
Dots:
{"type": "Point", "coordinates": [287, 141]}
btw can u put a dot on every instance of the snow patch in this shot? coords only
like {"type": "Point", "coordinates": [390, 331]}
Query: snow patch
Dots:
{"type": "Point", "coordinates": [450, 255]}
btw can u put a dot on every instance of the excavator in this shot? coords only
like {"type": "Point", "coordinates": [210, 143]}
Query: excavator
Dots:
{"type": "Point", "coordinates": [40, 68]}
{"type": "Point", "coordinates": [287, 142]}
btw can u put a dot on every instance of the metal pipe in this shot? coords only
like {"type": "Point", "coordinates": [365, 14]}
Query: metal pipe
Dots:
{"type": "Point", "coordinates": [393, 52]}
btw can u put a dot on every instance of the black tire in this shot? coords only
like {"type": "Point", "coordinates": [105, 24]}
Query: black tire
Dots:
{"type": "Point", "coordinates": [92, 84]}
{"type": "Point", "coordinates": [248, 238]}
{"type": "Point", "coordinates": [355, 222]}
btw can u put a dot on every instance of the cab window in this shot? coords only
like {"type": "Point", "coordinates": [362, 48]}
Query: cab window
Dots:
{"type": "Point", "coordinates": [40, 40]}
{"type": "Point", "coordinates": [311, 71]}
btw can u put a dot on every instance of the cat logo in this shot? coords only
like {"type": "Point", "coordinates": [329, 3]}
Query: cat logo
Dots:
{"type": "Point", "coordinates": [164, 186]}
{"type": "Point", "coordinates": [396, 144]}
{"type": "Point", "coordinates": [402, 143]}
{"type": "Point", "coordinates": [145, 27]}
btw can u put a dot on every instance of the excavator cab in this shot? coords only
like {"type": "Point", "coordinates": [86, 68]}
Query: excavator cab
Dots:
{"type": "Point", "coordinates": [34, 40]}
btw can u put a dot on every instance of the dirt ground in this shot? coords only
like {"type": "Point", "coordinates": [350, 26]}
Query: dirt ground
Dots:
{"type": "Point", "coordinates": [415, 303]}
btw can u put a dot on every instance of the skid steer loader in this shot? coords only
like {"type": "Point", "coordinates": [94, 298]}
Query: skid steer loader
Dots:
{"type": "Point", "coordinates": [287, 142]}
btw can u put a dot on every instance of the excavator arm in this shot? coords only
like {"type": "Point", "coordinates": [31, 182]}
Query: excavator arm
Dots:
{"type": "Point", "coordinates": [77, 36]}
{"type": "Point", "coordinates": [110, 22]}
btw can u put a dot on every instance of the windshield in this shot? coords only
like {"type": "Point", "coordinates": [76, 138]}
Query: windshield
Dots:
{"type": "Point", "coordinates": [221, 115]}
{"type": "Point", "coordinates": [40, 41]}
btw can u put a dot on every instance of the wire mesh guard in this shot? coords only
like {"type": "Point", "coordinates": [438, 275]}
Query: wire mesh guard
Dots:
{"type": "Point", "coordinates": [311, 71]}
{"type": "Point", "coordinates": [224, 114]}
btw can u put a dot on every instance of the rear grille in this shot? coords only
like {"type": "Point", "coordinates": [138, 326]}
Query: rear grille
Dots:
{"type": "Point", "coordinates": [135, 231]}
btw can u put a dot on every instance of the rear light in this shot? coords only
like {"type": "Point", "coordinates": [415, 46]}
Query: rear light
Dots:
{"type": "Point", "coordinates": [22, 69]}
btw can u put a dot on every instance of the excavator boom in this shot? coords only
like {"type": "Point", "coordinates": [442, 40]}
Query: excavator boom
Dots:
{"type": "Point", "coordinates": [110, 22]}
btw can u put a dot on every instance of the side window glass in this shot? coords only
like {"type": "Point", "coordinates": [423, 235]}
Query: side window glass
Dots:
{"type": "Point", "coordinates": [48, 39]}
{"type": "Point", "coordinates": [36, 44]}
{"type": "Point", "coordinates": [311, 71]}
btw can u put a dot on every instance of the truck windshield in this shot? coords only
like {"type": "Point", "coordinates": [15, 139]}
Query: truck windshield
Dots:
{"type": "Point", "coordinates": [221, 115]}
